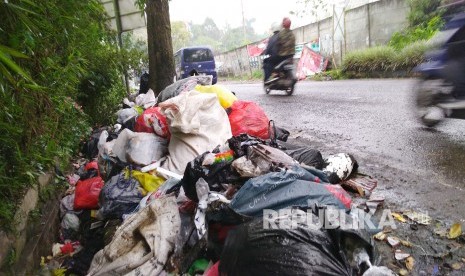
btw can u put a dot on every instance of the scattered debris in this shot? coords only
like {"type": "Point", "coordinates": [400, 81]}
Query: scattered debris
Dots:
{"type": "Point", "coordinates": [400, 255]}
{"type": "Point", "coordinates": [393, 241]}
{"type": "Point", "coordinates": [417, 217]}
{"type": "Point", "coordinates": [455, 231]}
{"type": "Point", "coordinates": [410, 263]}
{"type": "Point", "coordinates": [399, 217]}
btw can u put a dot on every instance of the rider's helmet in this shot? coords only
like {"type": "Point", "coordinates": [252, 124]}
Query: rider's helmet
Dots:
{"type": "Point", "coordinates": [286, 23]}
{"type": "Point", "coordinates": [275, 28]}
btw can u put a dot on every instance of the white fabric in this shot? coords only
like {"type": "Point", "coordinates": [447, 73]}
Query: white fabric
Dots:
{"type": "Point", "coordinates": [197, 124]}
{"type": "Point", "coordinates": [142, 244]}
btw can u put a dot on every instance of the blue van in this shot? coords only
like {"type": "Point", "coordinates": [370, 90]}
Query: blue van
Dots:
{"type": "Point", "coordinates": [191, 61]}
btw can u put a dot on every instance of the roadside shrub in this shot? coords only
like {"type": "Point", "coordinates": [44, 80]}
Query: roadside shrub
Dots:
{"type": "Point", "coordinates": [424, 31]}
{"type": "Point", "coordinates": [380, 58]}
{"type": "Point", "coordinates": [61, 71]}
{"type": "Point", "coordinates": [385, 61]}
{"type": "Point", "coordinates": [257, 74]}
{"type": "Point", "coordinates": [412, 55]}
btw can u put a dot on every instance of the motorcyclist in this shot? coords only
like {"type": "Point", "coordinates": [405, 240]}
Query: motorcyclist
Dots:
{"type": "Point", "coordinates": [271, 51]}
{"type": "Point", "coordinates": [284, 48]}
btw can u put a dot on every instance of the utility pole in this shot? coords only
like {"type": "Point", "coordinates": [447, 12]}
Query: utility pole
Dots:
{"type": "Point", "coordinates": [243, 21]}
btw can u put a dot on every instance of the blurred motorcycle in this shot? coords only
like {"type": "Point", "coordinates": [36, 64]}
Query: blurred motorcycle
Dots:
{"type": "Point", "coordinates": [440, 91]}
{"type": "Point", "coordinates": [282, 77]}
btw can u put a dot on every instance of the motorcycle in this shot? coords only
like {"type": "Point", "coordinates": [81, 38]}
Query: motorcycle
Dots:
{"type": "Point", "coordinates": [440, 90]}
{"type": "Point", "coordinates": [282, 77]}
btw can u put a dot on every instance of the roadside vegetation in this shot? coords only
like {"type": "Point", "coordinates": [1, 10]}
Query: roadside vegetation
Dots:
{"type": "Point", "coordinates": [60, 73]}
{"type": "Point", "coordinates": [404, 51]}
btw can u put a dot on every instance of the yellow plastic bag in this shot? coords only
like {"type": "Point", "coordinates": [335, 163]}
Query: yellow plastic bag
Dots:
{"type": "Point", "coordinates": [148, 181]}
{"type": "Point", "coordinates": [225, 96]}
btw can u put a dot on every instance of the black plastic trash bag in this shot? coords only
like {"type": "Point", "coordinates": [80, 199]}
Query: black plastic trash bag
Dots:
{"type": "Point", "coordinates": [307, 156]}
{"type": "Point", "coordinates": [215, 175]}
{"type": "Point", "coordinates": [252, 249]}
{"type": "Point", "coordinates": [296, 187]}
{"type": "Point", "coordinates": [119, 196]}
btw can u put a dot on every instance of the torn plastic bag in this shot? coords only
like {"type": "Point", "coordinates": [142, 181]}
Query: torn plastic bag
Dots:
{"type": "Point", "coordinates": [142, 244]}
{"type": "Point", "coordinates": [139, 148]}
{"type": "Point", "coordinates": [248, 117]}
{"type": "Point", "coordinates": [153, 121]}
{"type": "Point", "coordinates": [146, 100]}
{"type": "Point", "coordinates": [67, 206]}
{"type": "Point", "coordinates": [277, 133]}
{"type": "Point", "coordinates": [268, 159]}
{"type": "Point", "coordinates": [215, 174]}
{"type": "Point", "coordinates": [70, 222]}
{"type": "Point", "coordinates": [245, 167]}
{"type": "Point", "coordinates": [166, 187]}
{"type": "Point", "coordinates": [126, 114]}
{"type": "Point", "coordinates": [253, 249]}
{"type": "Point", "coordinates": [87, 193]}
{"type": "Point", "coordinates": [197, 123]}
{"type": "Point", "coordinates": [240, 143]}
{"type": "Point", "coordinates": [149, 182]}
{"type": "Point", "coordinates": [183, 85]}
{"type": "Point", "coordinates": [225, 96]}
{"type": "Point", "coordinates": [119, 196]}
{"type": "Point", "coordinates": [338, 167]}
{"type": "Point", "coordinates": [307, 156]}
{"type": "Point", "coordinates": [295, 187]}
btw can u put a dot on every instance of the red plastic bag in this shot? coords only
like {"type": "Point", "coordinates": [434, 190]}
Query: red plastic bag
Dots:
{"type": "Point", "coordinates": [248, 117]}
{"type": "Point", "coordinates": [87, 193]}
{"type": "Point", "coordinates": [152, 121]}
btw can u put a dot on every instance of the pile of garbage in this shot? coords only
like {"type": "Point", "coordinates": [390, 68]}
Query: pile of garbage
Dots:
{"type": "Point", "coordinates": [196, 181]}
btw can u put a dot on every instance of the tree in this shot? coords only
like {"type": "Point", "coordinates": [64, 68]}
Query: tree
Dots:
{"type": "Point", "coordinates": [160, 46]}
{"type": "Point", "coordinates": [180, 35]}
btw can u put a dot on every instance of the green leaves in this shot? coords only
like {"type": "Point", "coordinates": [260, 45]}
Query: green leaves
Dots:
{"type": "Point", "coordinates": [8, 66]}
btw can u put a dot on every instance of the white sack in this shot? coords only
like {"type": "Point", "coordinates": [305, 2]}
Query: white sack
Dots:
{"type": "Point", "coordinates": [197, 124]}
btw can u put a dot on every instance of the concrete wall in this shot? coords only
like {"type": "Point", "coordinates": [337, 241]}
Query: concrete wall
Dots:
{"type": "Point", "coordinates": [386, 17]}
{"type": "Point", "coordinates": [356, 29]}
{"type": "Point", "coordinates": [365, 26]}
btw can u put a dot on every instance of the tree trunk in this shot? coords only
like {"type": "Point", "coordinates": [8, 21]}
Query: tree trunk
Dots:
{"type": "Point", "coordinates": [161, 61]}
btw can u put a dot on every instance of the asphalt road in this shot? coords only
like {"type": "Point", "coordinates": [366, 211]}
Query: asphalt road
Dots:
{"type": "Point", "coordinates": [417, 168]}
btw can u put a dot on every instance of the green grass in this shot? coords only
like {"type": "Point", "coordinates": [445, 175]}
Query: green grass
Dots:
{"type": "Point", "coordinates": [384, 60]}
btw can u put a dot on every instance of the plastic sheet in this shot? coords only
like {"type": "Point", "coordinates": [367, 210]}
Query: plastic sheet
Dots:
{"type": "Point", "coordinates": [295, 187]}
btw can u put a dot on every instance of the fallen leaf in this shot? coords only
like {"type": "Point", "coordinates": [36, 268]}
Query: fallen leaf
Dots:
{"type": "Point", "coordinates": [406, 243]}
{"type": "Point", "coordinates": [393, 241]}
{"type": "Point", "coordinates": [380, 236]}
{"type": "Point", "coordinates": [399, 217]}
{"type": "Point", "coordinates": [455, 231]}
{"type": "Point", "coordinates": [399, 255]}
{"type": "Point", "coordinates": [410, 263]}
{"type": "Point", "coordinates": [456, 266]}
{"type": "Point", "coordinates": [418, 217]}
{"type": "Point", "coordinates": [403, 272]}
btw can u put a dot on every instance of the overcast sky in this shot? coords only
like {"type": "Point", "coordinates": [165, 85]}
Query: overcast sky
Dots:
{"type": "Point", "coordinates": [223, 12]}
{"type": "Point", "coordinates": [266, 12]}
